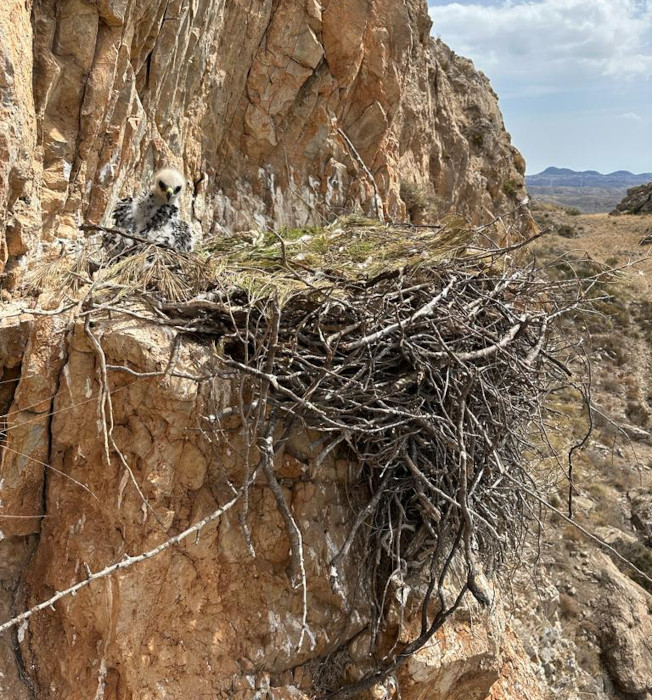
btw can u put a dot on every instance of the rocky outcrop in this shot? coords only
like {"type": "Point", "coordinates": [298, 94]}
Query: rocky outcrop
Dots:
{"type": "Point", "coordinates": [208, 617]}
{"type": "Point", "coordinates": [626, 632]}
{"type": "Point", "coordinates": [637, 201]}
{"type": "Point", "coordinates": [641, 508]}
{"type": "Point", "coordinates": [20, 164]}
{"type": "Point", "coordinates": [282, 113]}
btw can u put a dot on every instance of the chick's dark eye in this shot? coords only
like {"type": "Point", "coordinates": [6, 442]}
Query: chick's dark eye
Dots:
{"type": "Point", "coordinates": [162, 185]}
{"type": "Point", "coordinates": [177, 189]}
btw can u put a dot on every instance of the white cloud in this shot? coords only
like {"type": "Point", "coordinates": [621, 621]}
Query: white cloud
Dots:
{"type": "Point", "coordinates": [574, 76]}
{"type": "Point", "coordinates": [551, 43]}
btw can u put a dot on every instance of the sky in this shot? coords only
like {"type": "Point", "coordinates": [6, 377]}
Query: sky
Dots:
{"type": "Point", "coordinates": [574, 77]}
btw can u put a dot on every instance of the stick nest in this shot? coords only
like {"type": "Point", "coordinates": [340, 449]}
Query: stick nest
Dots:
{"type": "Point", "coordinates": [425, 355]}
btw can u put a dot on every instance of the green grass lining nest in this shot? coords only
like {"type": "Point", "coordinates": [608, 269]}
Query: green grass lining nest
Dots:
{"type": "Point", "coordinates": [352, 246]}
{"type": "Point", "coordinates": [262, 263]}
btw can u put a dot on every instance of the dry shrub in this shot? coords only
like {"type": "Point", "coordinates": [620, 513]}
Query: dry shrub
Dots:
{"type": "Point", "coordinates": [572, 537]}
{"type": "Point", "coordinates": [611, 385]}
{"type": "Point", "coordinates": [568, 606]}
{"type": "Point", "coordinates": [640, 555]}
{"type": "Point", "coordinates": [589, 661]}
{"type": "Point", "coordinates": [631, 386]}
{"type": "Point", "coordinates": [637, 413]}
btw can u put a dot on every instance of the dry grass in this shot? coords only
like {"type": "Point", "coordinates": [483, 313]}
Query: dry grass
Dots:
{"type": "Point", "coordinates": [62, 271]}
{"type": "Point", "coordinates": [568, 606]}
{"type": "Point", "coordinates": [618, 339]}
{"type": "Point", "coordinates": [266, 263]}
{"type": "Point", "coordinates": [352, 246]}
{"type": "Point", "coordinates": [175, 275]}
{"type": "Point", "coordinates": [607, 238]}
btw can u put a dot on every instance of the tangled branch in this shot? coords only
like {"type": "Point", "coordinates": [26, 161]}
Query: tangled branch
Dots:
{"type": "Point", "coordinates": [433, 376]}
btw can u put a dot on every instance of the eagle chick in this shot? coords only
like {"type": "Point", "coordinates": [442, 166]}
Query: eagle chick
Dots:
{"type": "Point", "coordinates": [152, 215]}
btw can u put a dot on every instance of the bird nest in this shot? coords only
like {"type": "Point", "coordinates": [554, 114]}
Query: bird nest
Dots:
{"type": "Point", "coordinates": [262, 262]}
{"type": "Point", "coordinates": [427, 355]}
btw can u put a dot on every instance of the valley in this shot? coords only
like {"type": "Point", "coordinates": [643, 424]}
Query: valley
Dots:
{"type": "Point", "coordinates": [589, 191]}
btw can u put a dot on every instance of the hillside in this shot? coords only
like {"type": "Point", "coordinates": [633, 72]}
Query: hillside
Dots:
{"type": "Point", "coordinates": [599, 638]}
{"type": "Point", "coordinates": [588, 190]}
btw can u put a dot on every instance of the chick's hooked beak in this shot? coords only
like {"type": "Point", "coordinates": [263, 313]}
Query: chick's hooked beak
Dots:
{"type": "Point", "coordinates": [168, 193]}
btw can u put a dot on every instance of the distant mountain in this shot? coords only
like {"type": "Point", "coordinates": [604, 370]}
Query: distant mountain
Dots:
{"type": "Point", "coordinates": [564, 177]}
{"type": "Point", "coordinates": [588, 190]}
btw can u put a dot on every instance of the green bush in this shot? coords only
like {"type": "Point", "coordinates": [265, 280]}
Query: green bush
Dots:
{"type": "Point", "coordinates": [567, 231]}
{"type": "Point", "coordinates": [511, 187]}
{"type": "Point", "coordinates": [420, 203]}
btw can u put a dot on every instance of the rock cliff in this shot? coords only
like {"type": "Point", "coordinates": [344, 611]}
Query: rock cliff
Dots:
{"type": "Point", "coordinates": [205, 618]}
{"type": "Point", "coordinates": [280, 113]}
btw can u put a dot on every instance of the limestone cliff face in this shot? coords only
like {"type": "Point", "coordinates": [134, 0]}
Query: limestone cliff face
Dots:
{"type": "Point", "coordinates": [208, 617]}
{"type": "Point", "coordinates": [280, 112]}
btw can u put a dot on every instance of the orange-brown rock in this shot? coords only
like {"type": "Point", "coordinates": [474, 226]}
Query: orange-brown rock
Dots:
{"type": "Point", "coordinates": [20, 158]}
{"type": "Point", "coordinates": [206, 618]}
{"type": "Point", "coordinates": [476, 657]}
{"type": "Point", "coordinates": [280, 113]}
{"type": "Point", "coordinates": [625, 622]}
{"type": "Point", "coordinates": [284, 113]}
